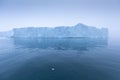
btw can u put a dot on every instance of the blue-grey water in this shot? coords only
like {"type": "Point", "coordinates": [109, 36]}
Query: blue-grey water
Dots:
{"type": "Point", "coordinates": [59, 59]}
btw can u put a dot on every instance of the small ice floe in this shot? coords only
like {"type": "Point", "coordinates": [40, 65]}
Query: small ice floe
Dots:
{"type": "Point", "coordinates": [52, 69]}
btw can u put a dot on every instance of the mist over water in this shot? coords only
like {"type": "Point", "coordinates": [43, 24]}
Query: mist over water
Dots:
{"type": "Point", "coordinates": [59, 59]}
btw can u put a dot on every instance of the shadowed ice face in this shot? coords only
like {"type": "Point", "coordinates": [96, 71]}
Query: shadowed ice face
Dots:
{"type": "Point", "coordinates": [79, 44]}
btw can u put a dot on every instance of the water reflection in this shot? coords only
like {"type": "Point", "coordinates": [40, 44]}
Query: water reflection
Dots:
{"type": "Point", "coordinates": [60, 43]}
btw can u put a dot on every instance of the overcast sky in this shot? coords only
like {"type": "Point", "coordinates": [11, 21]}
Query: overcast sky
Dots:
{"type": "Point", "coordinates": [24, 13]}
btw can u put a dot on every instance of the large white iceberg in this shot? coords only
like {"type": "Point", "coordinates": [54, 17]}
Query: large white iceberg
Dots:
{"type": "Point", "coordinates": [79, 30]}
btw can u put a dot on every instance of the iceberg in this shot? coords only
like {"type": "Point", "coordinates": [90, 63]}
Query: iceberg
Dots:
{"type": "Point", "coordinates": [6, 34]}
{"type": "Point", "coordinates": [79, 30]}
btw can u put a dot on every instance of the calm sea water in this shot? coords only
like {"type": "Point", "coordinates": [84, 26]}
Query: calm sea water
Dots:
{"type": "Point", "coordinates": [59, 59]}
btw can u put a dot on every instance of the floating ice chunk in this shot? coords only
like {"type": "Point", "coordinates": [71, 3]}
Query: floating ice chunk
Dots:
{"type": "Point", "coordinates": [52, 69]}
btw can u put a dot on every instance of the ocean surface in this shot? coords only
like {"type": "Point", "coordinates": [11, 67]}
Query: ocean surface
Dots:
{"type": "Point", "coordinates": [59, 59]}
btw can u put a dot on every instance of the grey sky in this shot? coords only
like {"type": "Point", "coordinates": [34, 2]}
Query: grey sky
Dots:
{"type": "Point", "coordinates": [23, 13]}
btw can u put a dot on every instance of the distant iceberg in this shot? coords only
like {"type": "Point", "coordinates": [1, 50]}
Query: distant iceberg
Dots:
{"type": "Point", "coordinates": [79, 30]}
{"type": "Point", "coordinates": [6, 34]}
